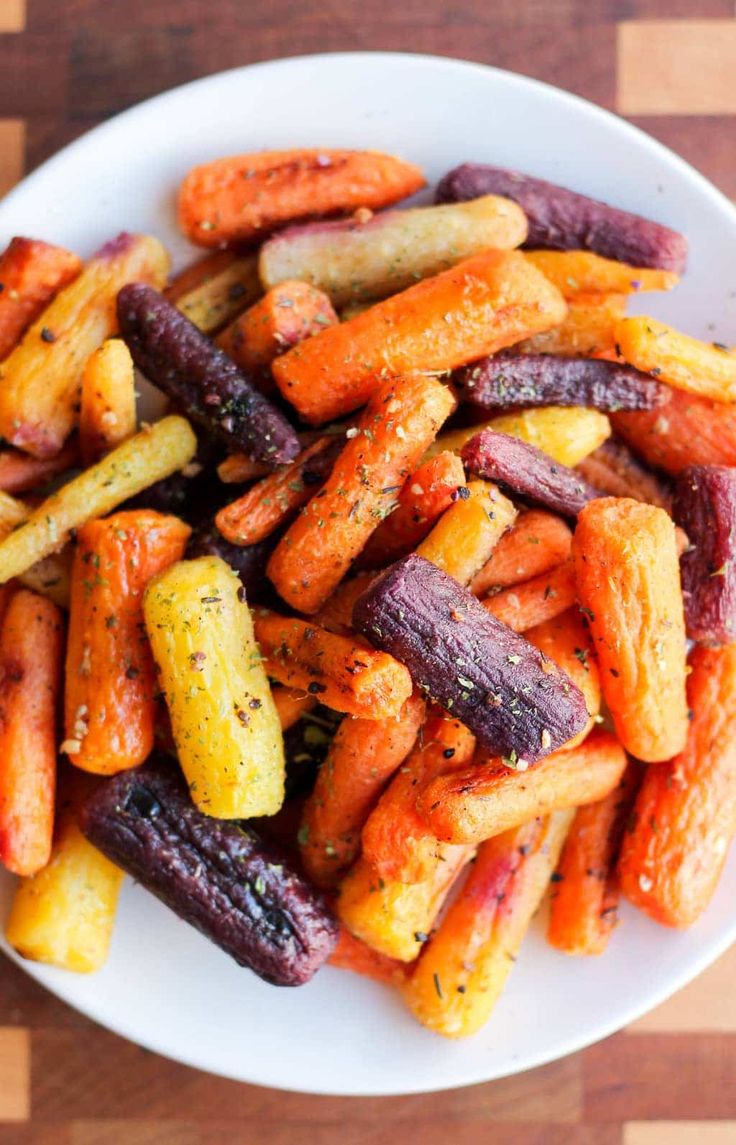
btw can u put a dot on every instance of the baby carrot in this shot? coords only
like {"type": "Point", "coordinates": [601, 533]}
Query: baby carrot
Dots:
{"type": "Point", "coordinates": [22, 473]}
{"type": "Point", "coordinates": [576, 272]}
{"type": "Point", "coordinates": [352, 954]}
{"type": "Point", "coordinates": [702, 368]}
{"type": "Point", "coordinates": [336, 614]}
{"type": "Point", "coordinates": [685, 814]}
{"type": "Point", "coordinates": [30, 673]}
{"type": "Point", "coordinates": [466, 533]}
{"type": "Point", "coordinates": [477, 307]}
{"type": "Point", "coordinates": [588, 329]}
{"type": "Point", "coordinates": [363, 755]}
{"type": "Point", "coordinates": [199, 272]}
{"type": "Point", "coordinates": [542, 598]}
{"type": "Point", "coordinates": [628, 583]}
{"type": "Point", "coordinates": [31, 273]}
{"type": "Point", "coordinates": [285, 316]}
{"type": "Point", "coordinates": [567, 433]}
{"type": "Point", "coordinates": [615, 470]}
{"type": "Point", "coordinates": [396, 839]}
{"type": "Point", "coordinates": [107, 413]}
{"type": "Point", "coordinates": [291, 704]}
{"type": "Point", "coordinates": [109, 704]}
{"type": "Point", "coordinates": [278, 497]}
{"type": "Point", "coordinates": [239, 468]}
{"type": "Point", "coordinates": [395, 429]}
{"type": "Point", "coordinates": [585, 894]}
{"type": "Point", "coordinates": [536, 543]}
{"type": "Point", "coordinates": [345, 675]}
{"type": "Point", "coordinates": [565, 640]}
{"type": "Point", "coordinates": [690, 430]}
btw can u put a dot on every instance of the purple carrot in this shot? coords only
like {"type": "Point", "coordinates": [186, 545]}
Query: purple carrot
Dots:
{"type": "Point", "coordinates": [705, 506]}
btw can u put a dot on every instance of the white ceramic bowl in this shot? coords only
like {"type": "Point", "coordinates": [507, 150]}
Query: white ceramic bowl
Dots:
{"type": "Point", "coordinates": [165, 986]}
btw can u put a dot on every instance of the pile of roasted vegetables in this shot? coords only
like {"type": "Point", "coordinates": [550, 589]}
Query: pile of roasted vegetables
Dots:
{"type": "Point", "coordinates": [421, 596]}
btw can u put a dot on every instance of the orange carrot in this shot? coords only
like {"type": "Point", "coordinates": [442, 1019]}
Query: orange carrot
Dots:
{"type": "Point", "coordinates": [536, 600]}
{"type": "Point", "coordinates": [285, 316]}
{"type": "Point", "coordinates": [477, 307]}
{"type": "Point", "coordinates": [21, 473]}
{"type": "Point", "coordinates": [565, 640]}
{"type": "Point", "coordinates": [336, 614]}
{"type": "Point", "coordinates": [109, 705]}
{"type": "Point", "coordinates": [277, 498]}
{"type": "Point", "coordinates": [30, 675]}
{"type": "Point", "coordinates": [363, 755]}
{"type": "Point", "coordinates": [689, 430]}
{"type": "Point", "coordinates": [291, 704]}
{"type": "Point", "coordinates": [31, 273]}
{"type": "Point", "coordinates": [463, 969]}
{"type": "Point", "coordinates": [239, 468]}
{"type": "Point", "coordinates": [466, 533]}
{"type": "Point", "coordinates": [243, 197]}
{"type": "Point", "coordinates": [346, 676]}
{"type": "Point", "coordinates": [425, 495]}
{"type": "Point", "coordinates": [107, 413]}
{"type": "Point", "coordinates": [488, 798]}
{"type": "Point", "coordinates": [613, 469]}
{"type": "Point", "coordinates": [588, 329]}
{"type": "Point", "coordinates": [628, 582]}
{"type": "Point", "coordinates": [685, 814]}
{"type": "Point", "coordinates": [396, 839]}
{"type": "Point", "coordinates": [395, 429]}
{"type": "Point", "coordinates": [538, 542]}
{"type": "Point", "coordinates": [584, 909]}
{"type": "Point", "coordinates": [198, 273]}
{"type": "Point", "coordinates": [706, 369]}
{"type": "Point", "coordinates": [352, 954]}
{"type": "Point", "coordinates": [576, 272]}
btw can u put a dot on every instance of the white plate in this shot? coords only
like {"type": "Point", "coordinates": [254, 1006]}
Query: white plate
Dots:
{"type": "Point", "coordinates": [165, 986]}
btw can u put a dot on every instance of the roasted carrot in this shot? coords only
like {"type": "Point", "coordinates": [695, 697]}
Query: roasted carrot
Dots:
{"type": "Point", "coordinates": [628, 584]}
{"type": "Point", "coordinates": [291, 704]}
{"type": "Point", "coordinates": [585, 894]}
{"type": "Point", "coordinates": [706, 369]}
{"type": "Point", "coordinates": [576, 272]}
{"type": "Point", "coordinates": [109, 699]}
{"type": "Point", "coordinates": [396, 839]}
{"type": "Point", "coordinates": [107, 413]}
{"type": "Point", "coordinates": [198, 273]}
{"type": "Point", "coordinates": [615, 470]}
{"type": "Point", "coordinates": [21, 473]}
{"type": "Point", "coordinates": [336, 614]}
{"type": "Point", "coordinates": [565, 640]}
{"type": "Point", "coordinates": [477, 307]}
{"type": "Point", "coordinates": [362, 757]}
{"type": "Point", "coordinates": [466, 533]}
{"type": "Point", "coordinates": [30, 676]}
{"type": "Point", "coordinates": [285, 316]}
{"type": "Point", "coordinates": [424, 496]}
{"type": "Point", "coordinates": [239, 468]}
{"type": "Point", "coordinates": [567, 433]}
{"type": "Point", "coordinates": [522, 606]}
{"type": "Point", "coordinates": [396, 918]}
{"type": "Point", "coordinates": [689, 431]}
{"type": "Point", "coordinates": [277, 498]}
{"type": "Point", "coordinates": [217, 298]}
{"type": "Point", "coordinates": [242, 197]}
{"type": "Point", "coordinates": [352, 954]}
{"type": "Point", "coordinates": [685, 814]}
{"type": "Point", "coordinates": [462, 971]}
{"type": "Point", "coordinates": [399, 423]}
{"type": "Point", "coordinates": [537, 542]}
{"type": "Point", "coordinates": [493, 796]}
{"type": "Point", "coordinates": [346, 676]}
{"type": "Point", "coordinates": [589, 328]}
{"type": "Point", "coordinates": [31, 273]}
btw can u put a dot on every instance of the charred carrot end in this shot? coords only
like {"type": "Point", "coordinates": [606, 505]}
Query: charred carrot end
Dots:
{"type": "Point", "coordinates": [689, 431]}
{"type": "Point", "coordinates": [352, 954]}
{"type": "Point", "coordinates": [477, 307]}
{"type": "Point", "coordinates": [395, 918]}
{"type": "Point", "coordinates": [585, 893]}
{"type": "Point", "coordinates": [489, 798]}
{"type": "Point", "coordinates": [535, 544]}
{"type": "Point", "coordinates": [344, 675]}
{"type": "Point", "coordinates": [291, 704]}
{"type": "Point", "coordinates": [363, 756]}
{"type": "Point", "coordinates": [21, 473]}
{"type": "Point", "coordinates": [279, 497]}
{"type": "Point", "coordinates": [628, 583]}
{"type": "Point", "coordinates": [685, 814]}
{"type": "Point", "coordinates": [31, 272]}
{"type": "Point", "coordinates": [702, 368]}
{"type": "Point", "coordinates": [589, 328]}
{"type": "Point", "coordinates": [462, 971]}
{"type": "Point", "coordinates": [30, 669]}
{"type": "Point", "coordinates": [431, 489]}
{"type": "Point", "coordinates": [465, 535]}
{"type": "Point", "coordinates": [396, 839]}
{"type": "Point", "coordinates": [107, 414]}
{"type": "Point", "coordinates": [109, 700]}
{"type": "Point", "coordinates": [534, 601]}
{"type": "Point", "coordinates": [576, 272]}
{"type": "Point", "coordinates": [243, 197]}
{"type": "Point", "coordinates": [401, 420]}
{"type": "Point", "coordinates": [565, 640]}
{"type": "Point", "coordinates": [285, 316]}
{"type": "Point", "coordinates": [198, 273]}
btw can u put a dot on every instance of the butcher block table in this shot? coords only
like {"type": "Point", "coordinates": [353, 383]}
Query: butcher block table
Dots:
{"type": "Point", "coordinates": [66, 65]}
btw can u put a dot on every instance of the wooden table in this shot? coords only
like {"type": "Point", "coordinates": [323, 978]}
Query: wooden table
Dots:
{"type": "Point", "coordinates": [64, 66]}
